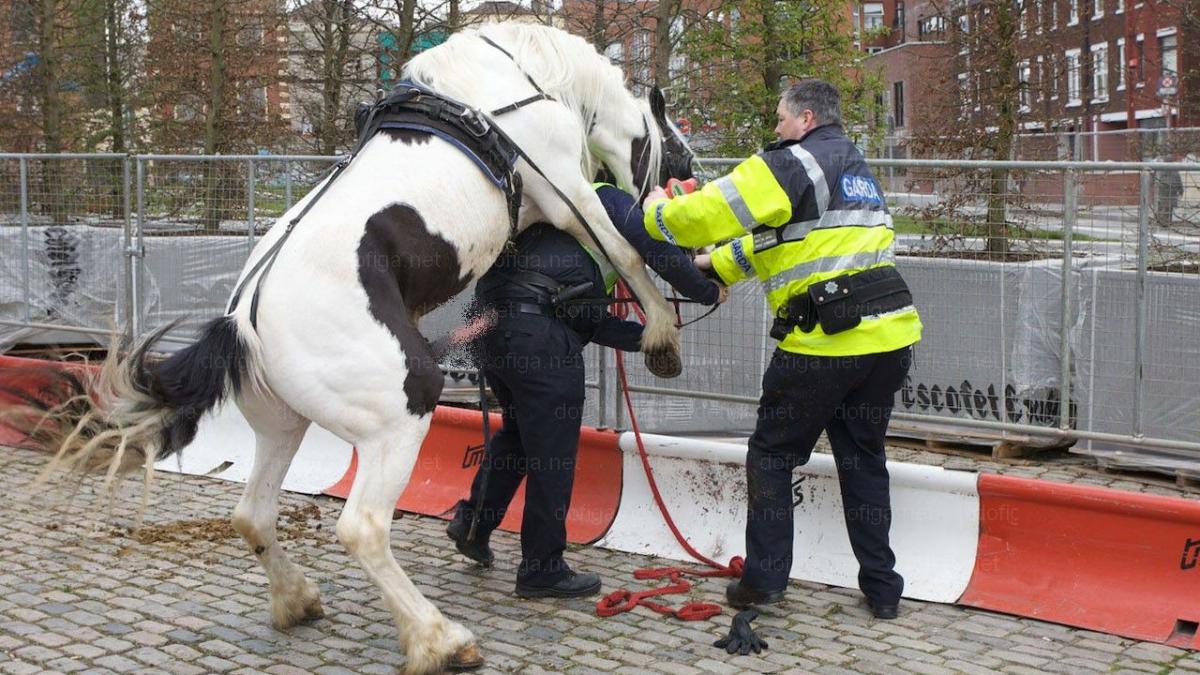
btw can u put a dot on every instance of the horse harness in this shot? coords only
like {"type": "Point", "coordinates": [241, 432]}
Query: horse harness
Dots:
{"type": "Point", "coordinates": [416, 108]}
{"type": "Point", "coordinates": [413, 107]}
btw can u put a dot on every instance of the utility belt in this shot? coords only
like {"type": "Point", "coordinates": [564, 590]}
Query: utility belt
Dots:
{"type": "Point", "coordinates": [554, 300]}
{"type": "Point", "coordinates": [839, 304]}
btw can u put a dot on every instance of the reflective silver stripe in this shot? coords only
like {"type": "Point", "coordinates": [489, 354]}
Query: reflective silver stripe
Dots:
{"type": "Point", "coordinates": [835, 263]}
{"type": "Point", "coordinates": [739, 256]}
{"type": "Point", "coordinates": [736, 203]}
{"type": "Point", "coordinates": [662, 226]}
{"type": "Point", "coordinates": [815, 174]}
{"type": "Point", "coordinates": [831, 219]}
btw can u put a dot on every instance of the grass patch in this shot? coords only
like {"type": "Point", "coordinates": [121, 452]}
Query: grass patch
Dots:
{"type": "Point", "coordinates": [958, 228]}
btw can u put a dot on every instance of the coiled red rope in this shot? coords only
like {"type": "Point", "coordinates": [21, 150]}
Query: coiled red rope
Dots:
{"type": "Point", "coordinates": [623, 600]}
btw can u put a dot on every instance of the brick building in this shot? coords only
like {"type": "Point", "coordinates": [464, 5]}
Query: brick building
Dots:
{"type": "Point", "coordinates": [1069, 62]}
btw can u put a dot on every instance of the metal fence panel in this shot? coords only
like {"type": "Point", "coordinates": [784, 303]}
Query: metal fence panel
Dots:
{"type": "Point", "coordinates": [1038, 282]}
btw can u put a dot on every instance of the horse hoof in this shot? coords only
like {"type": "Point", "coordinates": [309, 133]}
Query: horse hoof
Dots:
{"type": "Point", "coordinates": [664, 363]}
{"type": "Point", "coordinates": [466, 658]}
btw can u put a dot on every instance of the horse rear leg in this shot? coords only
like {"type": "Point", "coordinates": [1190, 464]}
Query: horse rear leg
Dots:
{"type": "Point", "coordinates": [278, 432]}
{"type": "Point", "coordinates": [385, 463]}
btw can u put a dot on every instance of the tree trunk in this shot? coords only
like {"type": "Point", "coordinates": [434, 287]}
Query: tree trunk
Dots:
{"type": "Point", "coordinates": [115, 76]}
{"type": "Point", "coordinates": [407, 34]}
{"type": "Point", "coordinates": [665, 14]}
{"type": "Point", "coordinates": [214, 142]}
{"type": "Point", "coordinates": [1008, 86]}
{"type": "Point", "coordinates": [53, 201]}
{"type": "Point", "coordinates": [453, 17]}
{"type": "Point", "coordinates": [599, 34]}
{"type": "Point", "coordinates": [337, 28]}
{"type": "Point", "coordinates": [772, 67]}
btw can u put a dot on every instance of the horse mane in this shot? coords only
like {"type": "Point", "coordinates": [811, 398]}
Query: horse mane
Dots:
{"type": "Point", "coordinates": [565, 66]}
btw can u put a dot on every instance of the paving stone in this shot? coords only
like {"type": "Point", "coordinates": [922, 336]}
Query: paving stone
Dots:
{"type": "Point", "coordinates": [89, 600]}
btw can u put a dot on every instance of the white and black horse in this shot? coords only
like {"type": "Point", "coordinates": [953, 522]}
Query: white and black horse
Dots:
{"type": "Point", "coordinates": [406, 226]}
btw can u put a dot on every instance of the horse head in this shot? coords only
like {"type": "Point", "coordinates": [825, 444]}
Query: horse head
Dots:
{"type": "Point", "coordinates": [657, 153]}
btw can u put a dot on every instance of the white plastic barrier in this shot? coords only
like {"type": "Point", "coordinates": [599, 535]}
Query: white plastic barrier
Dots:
{"type": "Point", "coordinates": [224, 448]}
{"type": "Point", "coordinates": [935, 515]}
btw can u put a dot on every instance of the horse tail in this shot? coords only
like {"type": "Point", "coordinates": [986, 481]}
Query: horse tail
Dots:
{"type": "Point", "coordinates": [135, 409]}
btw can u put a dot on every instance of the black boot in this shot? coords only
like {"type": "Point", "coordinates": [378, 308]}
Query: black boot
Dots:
{"type": "Point", "coordinates": [573, 585]}
{"type": "Point", "coordinates": [742, 596]}
{"type": "Point", "coordinates": [476, 549]}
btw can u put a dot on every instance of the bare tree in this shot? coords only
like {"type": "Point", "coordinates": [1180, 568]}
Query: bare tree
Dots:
{"type": "Point", "coordinates": [332, 50]}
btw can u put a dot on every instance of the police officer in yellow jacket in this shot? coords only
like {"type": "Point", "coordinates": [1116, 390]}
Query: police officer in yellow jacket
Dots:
{"type": "Point", "coordinates": [808, 219]}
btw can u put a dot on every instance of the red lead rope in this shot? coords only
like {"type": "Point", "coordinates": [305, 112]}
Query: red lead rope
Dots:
{"type": "Point", "coordinates": [623, 600]}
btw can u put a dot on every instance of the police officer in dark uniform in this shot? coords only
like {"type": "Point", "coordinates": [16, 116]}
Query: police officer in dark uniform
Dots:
{"type": "Point", "coordinates": [549, 295]}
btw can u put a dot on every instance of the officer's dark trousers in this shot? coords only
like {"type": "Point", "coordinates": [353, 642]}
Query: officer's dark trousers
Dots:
{"type": "Point", "coordinates": [850, 398]}
{"type": "Point", "coordinates": [534, 364]}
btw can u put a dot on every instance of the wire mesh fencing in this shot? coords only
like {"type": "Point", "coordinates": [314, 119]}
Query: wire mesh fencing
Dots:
{"type": "Point", "coordinates": [1061, 300]}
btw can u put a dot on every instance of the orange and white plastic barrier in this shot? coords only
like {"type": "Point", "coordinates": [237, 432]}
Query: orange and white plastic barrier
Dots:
{"type": "Point", "coordinates": [1101, 559]}
{"type": "Point", "coordinates": [1107, 560]}
{"type": "Point", "coordinates": [935, 515]}
{"type": "Point", "coordinates": [453, 451]}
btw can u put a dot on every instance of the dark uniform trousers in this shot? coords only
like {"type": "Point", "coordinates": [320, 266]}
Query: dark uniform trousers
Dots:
{"type": "Point", "coordinates": [534, 364]}
{"type": "Point", "coordinates": [850, 398]}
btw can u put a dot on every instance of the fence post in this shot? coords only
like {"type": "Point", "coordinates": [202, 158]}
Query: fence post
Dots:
{"type": "Point", "coordinates": [287, 186]}
{"type": "Point", "coordinates": [136, 252]}
{"type": "Point", "coordinates": [249, 205]}
{"type": "Point", "coordinates": [619, 402]}
{"type": "Point", "coordinates": [1139, 329]}
{"type": "Point", "coordinates": [1070, 217]}
{"type": "Point", "coordinates": [24, 172]}
{"type": "Point", "coordinates": [127, 232]}
{"type": "Point", "coordinates": [601, 385]}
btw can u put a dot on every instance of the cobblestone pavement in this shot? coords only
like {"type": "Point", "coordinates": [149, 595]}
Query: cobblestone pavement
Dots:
{"type": "Point", "coordinates": [80, 593]}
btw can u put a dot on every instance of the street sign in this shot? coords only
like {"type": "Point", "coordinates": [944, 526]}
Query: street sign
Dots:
{"type": "Point", "coordinates": [1168, 85]}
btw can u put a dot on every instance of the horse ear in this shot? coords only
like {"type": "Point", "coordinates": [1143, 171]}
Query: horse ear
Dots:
{"type": "Point", "coordinates": [658, 104]}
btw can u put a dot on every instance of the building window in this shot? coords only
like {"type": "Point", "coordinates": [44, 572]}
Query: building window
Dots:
{"type": "Point", "coordinates": [1074, 15]}
{"type": "Point", "coordinates": [898, 103]}
{"type": "Point", "coordinates": [872, 15]}
{"type": "Point", "coordinates": [1023, 76]}
{"type": "Point", "coordinates": [1039, 10]}
{"type": "Point", "coordinates": [931, 27]}
{"type": "Point", "coordinates": [898, 20]}
{"type": "Point", "coordinates": [964, 93]}
{"type": "Point", "coordinates": [1019, 7]}
{"type": "Point", "coordinates": [964, 30]}
{"type": "Point", "coordinates": [1120, 6]}
{"type": "Point", "coordinates": [1122, 60]}
{"type": "Point", "coordinates": [1052, 73]}
{"type": "Point", "coordinates": [1097, 9]}
{"type": "Point", "coordinates": [1100, 72]}
{"type": "Point", "coordinates": [1168, 54]}
{"type": "Point", "coordinates": [1074, 80]}
{"type": "Point", "coordinates": [1054, 13]}
{"type": "Point", "coordinates": [615, 53]}
{"type": "Point", "coordinates": [1141, 60]}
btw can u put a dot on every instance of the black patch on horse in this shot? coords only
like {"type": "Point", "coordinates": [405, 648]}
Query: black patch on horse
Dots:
{"type": "Point", "coordinates": [407, 271]}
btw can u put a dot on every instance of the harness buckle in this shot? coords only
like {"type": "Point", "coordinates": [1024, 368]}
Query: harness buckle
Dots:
{"type": "Point", "coordinates": [476, 124]}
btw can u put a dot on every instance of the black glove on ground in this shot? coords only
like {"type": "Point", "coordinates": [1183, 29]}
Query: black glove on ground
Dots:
{"type": "Point", "coordinates": [742, 638]}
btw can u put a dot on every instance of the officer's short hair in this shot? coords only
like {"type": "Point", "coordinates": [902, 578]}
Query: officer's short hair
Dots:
{"type": "Point", "coordinates": [818, 96]}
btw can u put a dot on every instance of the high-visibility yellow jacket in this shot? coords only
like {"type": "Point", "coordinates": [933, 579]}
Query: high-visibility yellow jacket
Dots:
{"type": "Point", "coordinates": [798, 213]}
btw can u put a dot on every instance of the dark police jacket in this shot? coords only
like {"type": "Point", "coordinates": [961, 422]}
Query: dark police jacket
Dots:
{"type": "Point", "coordinates": [547, 250]}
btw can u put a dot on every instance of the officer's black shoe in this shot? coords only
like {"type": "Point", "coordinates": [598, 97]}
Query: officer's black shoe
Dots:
{"type": "Point", "coordinates": [476, 549]}
{"type": "Point", "coordinates": [742, 596]}
{"type": "Point", "coordinates": [574, 585]}
{"type": "Point", "coordinates": [885, 612]}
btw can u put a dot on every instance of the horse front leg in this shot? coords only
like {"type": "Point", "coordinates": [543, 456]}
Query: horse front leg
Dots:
{"type": "Point", "coordinates": [660, 340]}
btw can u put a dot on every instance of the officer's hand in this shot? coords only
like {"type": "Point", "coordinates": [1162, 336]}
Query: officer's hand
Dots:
{"type": "Point", "coordinates": [703, 262]}
{"type": "Point", "coordinates": [722, 293]}
{"type": "Point", "coordinates": [742, 639]}
{"type": "Point", "coordinates": [656, 193]}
